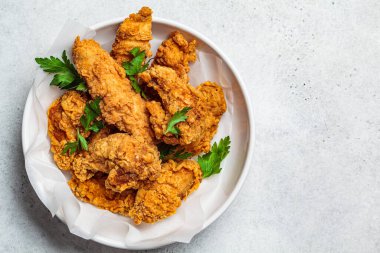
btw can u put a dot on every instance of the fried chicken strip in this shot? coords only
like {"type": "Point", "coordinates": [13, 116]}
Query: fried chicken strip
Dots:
{"type": "Point", "coordinates": [93, 191]}
{"type": "Point", "coordinates": [63, 122]}
{"type": "Point", "coordinates": [176, 53]}
{"type": "Point", "coordinates": [120, 106]}
{"type": "Point", "coordinates": [168, 77]}
{"type": "Point", "coordinates": [83, 166]}
{"type": "Point", "coordinates": [135, 31]}
{"type": "Point", "coordinates": [175, 94]}
{"type": "Point", "coordinates": [210, 108]}
{"type": "Point", "coordinates": [207, 103]}
{"type": "Point", "coordinates": [126, 160]}
{"type": "Point", "coordinates": [159, 199]}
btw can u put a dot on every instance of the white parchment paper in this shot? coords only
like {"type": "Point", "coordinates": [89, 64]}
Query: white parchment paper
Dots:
{"type": "Point", "coordinates": [86, 220]}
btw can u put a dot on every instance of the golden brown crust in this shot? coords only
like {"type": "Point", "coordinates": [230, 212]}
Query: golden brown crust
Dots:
{"type": "Point", "coordinates": [135, 31]}
{"type": "Point", "coordinates": [207, 103]}
{"type": "Point", "coordinates": [176, 53]}
{"type": "Point", "coordinates": [210, 108]}
{"type": "Point", "coordinates": [93, 191]}
{"type": "Point", "coordinates": [120, 106]}
{"type": "Point", "coordinates": [159, 199]}
{"type": "Point", "coordinates": [168, 78]}
{"type": "Point", "coordinates": [63, 121]}
{"type": "Point", "coordinates": [125, 159]}
{"type": "Point", "coordinates": [128, 160]}
{"type": "Point", "coordinates": [84, 165]}
{"type": "Point", "coordinates": [175, 94]}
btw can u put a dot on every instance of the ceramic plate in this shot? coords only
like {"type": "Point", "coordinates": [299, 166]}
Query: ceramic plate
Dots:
{"type": "Point", "coordinates": [50, 183]}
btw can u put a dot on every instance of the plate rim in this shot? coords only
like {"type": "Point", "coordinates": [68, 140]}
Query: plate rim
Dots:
{"type": "Point", "coordinates": [247, 163]}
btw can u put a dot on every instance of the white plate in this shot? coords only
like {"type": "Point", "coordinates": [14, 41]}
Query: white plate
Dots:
{"type": "Point", "coordinates": [238, 124]}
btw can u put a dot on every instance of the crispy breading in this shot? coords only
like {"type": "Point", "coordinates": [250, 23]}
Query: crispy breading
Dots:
{"type": "Point", "coordinates": [211, 106]}
{"type": "Point", "coordinates": [128, 159]}
{"type": "Point", "coordinates": [93, 191]}
{"type": "Point", "coordinates": [170, 82]}
{"type": "Point", "coordinates": [63, 121]}
{"type": "Point", "coordinates": [159, 199]}
{"type": "Point", "coordinates": [125, 159]}
{"type": "Point", "coordinates": [124, 108]}
{"type": "Point", "coordinates": [84, 166]}
{"type": "Point", "coordinates": [176, 53]}
{"type": "Point", "coordinates": [207, 103]}
{"type": "Point", "coordinates": [120, 105]}
{"type": "Point", "coordinates": [134, 31]}
{"type": "Point", "coordinates": [175, 94]}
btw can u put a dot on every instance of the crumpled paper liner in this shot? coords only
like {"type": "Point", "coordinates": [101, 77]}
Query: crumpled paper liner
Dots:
{"type": "Point", "coordinates": [88, 221]}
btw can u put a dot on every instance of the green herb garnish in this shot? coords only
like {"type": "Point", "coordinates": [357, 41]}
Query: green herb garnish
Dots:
{"type": "Point", "coordinates": [168, 152]}
{"type": "Point", "coordinates": [134, 67]}
{"type": "Point", "coordinates": [72, 147]}
{"type": "Point", "coordinates": [66, 76]}
{"type": "Point", "coordinates": [178, 117]}
{"type": "Point", "coordinates": [88, 119]}
{"type": "Point", "coordinates": [210, 162]}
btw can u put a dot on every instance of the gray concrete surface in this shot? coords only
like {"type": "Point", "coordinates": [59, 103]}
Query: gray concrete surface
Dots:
{"type": "Point", "coordinates": [313, 73]}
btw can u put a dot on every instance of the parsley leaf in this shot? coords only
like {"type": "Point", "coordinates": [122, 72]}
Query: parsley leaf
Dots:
{"type": "Point", "coordinates": [178, 117]}
{"type": "Point", "coordinates": [66, 76]}
{"type": "Point", "coordinates": [82, 141]}
{"type": "Point", "coordinates": [96, 126]}
{"type": "Point", "coordinates": [210, 162]}
{"type": "Point", "coordinates": [168, 152]}
{"type": "Point", "coordinates": [134, 67]}
{"type": "Point", "coordinates": [88, 119]}
{"type": "Point", "coordinates": [134, 51]}
{"type": "Point", "coordinates": [72, 147]}
{"type": "Point", "coordinates": [137, 87]}
{"type": "Point", "coordinates": [165, 150]}
{"type": "Point", "coordinates": [182, 155]}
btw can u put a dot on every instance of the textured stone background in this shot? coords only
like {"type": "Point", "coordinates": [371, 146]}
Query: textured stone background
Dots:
{"type": "Point", "coordinates": [312, 71]}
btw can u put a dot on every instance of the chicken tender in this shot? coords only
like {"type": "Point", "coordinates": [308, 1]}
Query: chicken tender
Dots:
{"type": "Point", "coordinates": [126, 159]}
{"type": "Point", "coordinates": [176, 53]}
{"type": "Point", "coordinates": [207, 103]}
{"type": "Point", "coordinates": [63, 122]}
{"type": "Point", "coordinates": [159, 199]}
{"type": "Point", "coordinates": [84, 166]}
{"type": "Point", "coordinates": [121, 105]}
{"type": "Point", "coordinates": [135, 31]}
{"type": "Point", "coordinates": [175, 94]}
{"type": "Point", "coordinates": [93, 191]}
{"type": "Point", "coordinates": [168, 78]}
{"type": "Point", "coordinates": [211, 106]}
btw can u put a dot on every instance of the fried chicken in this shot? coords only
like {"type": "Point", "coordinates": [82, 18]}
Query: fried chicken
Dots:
{"type": "Point", "coordinates": [176, 53]}
{"type": "Point", "coordinates": [135, 31]}
{"type": "Point", "coordinates": [63, 122]}
{"type": "Point", "coordinates": [159, 199]}
{"type": "Point", "coordinates": [153, 201]}
{"type": "Point", "coordinates": [84, 166]}
{"type": "Point", "coordinates": [122, 171]}
{"type": "Point", "coordinates": [168, 78]}
{"type": "Point", "coordinates": [121, 105]}
{"type": "Point", "coordinates": [93, 191]}
{"type": "Point", "coordinates": [175, 94]}
{"type": "Point", "coordinates": [210, 108]}
{"type": "Point", "coordinates": [128, 159]}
